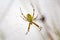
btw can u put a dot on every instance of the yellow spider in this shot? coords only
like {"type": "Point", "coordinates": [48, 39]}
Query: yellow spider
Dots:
{"type": "Point", "coordinates": [30, 19]}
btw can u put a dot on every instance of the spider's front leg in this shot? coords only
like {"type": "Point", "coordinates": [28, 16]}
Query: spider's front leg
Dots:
{"type": "Point", "coordinates": [23, 18]}
{"type": "Point", "coordinates": [33, 9]}
{"type": "Point", "coordinates": [33, 12]}
{"type": "Point", "coordinates": [28, 28]}
{"type": "Point", "coordinates": [22, 13]}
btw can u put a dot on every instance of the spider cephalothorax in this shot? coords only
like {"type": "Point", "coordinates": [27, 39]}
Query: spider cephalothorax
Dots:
{"type": "Point", "coordinates": [30, 18]}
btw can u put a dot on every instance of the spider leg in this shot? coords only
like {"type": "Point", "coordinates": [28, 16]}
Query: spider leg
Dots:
{"type": "Point", "coordinates": [23, 18]}
{"type": "Point", "coordinates": [37, 25]}
{"type": "Point", "coordinates": [33, 9]}
{"type": "Point", "coordinates": [35, 17]}
{"type": "Point", "coordinates": [22, 13]}
{"type": "Point", "coordinates": [28, 28]}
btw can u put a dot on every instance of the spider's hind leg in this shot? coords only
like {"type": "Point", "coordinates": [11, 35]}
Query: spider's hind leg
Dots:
{"type": "Point", "coordinates": [28, 28]}
{"type": "Point", "coordinates": [37, 26]}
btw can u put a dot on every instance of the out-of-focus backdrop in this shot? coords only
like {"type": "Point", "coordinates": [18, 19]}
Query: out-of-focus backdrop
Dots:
{"type": "Point", "coordinates": [13, 27]}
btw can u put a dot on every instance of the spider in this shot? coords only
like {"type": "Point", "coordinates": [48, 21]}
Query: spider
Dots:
{"type": "Point", "coordinates": [30, 18]}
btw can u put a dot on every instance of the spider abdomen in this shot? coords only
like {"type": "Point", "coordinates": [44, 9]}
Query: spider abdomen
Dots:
{"type": "Point", "coordinates": [29, 18]}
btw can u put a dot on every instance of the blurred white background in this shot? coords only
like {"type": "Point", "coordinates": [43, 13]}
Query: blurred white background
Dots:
{"type": "Point", "coordinates": [13, 27]}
